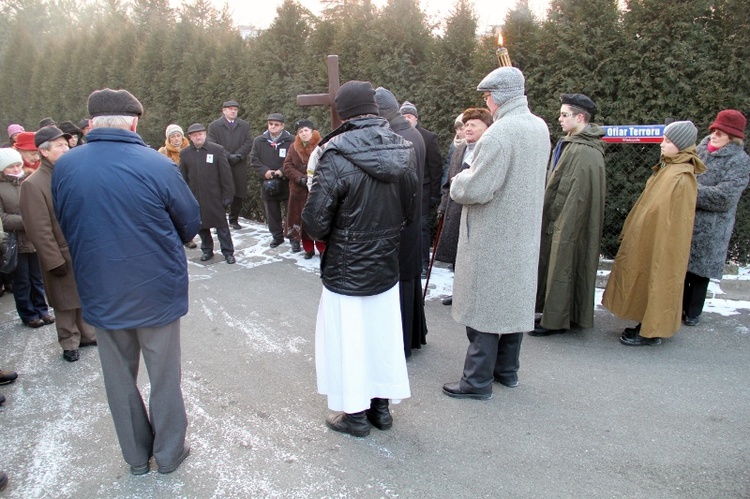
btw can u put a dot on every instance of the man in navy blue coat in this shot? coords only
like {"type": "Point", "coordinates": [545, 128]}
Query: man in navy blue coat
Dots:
{"type": "Point", "coordinates": [126, 211]}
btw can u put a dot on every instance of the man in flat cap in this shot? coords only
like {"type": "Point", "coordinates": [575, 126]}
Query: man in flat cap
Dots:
{"type": "Point", "coordinates": [205, 168]}
{"type": "Point", "coordinates": [234, 135]}
{"type": "Point", "coordinates": [572, 221]}
{"type": "Point", "coordinates": [431, 179]}
{"type": "Point", "coordinates": [363, 192]}
{"type": "Point", "coordinates": [495, 278]}
{"type": "Point", "coordinates": [126, 211]}
{"type": "Point", "coordinates": [267, 157]}
{"type": "Point", "coordinates": [44, 233]}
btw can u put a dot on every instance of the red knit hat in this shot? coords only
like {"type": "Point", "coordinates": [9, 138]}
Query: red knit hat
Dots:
{"type": "Point", "coordinates": [25, 141]}
{"type": "Point", "coordinates": [731, 122]}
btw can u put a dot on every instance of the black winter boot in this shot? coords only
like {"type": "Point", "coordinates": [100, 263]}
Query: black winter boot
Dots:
{"type": "Point", "coordinates": [379, 415]}
{"type": "Point", "coordinates": [354, 424]}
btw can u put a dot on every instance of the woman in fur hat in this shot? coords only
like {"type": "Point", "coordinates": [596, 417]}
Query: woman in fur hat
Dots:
{"type": "Point", "coordinates": [719, 191]}
{"type": "Point", "coordinates": [295, 169]}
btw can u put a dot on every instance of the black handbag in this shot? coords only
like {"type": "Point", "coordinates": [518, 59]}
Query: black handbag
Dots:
{"type": "Point", "coordinates": [272, 186]}
{"type": "Point", "coordinates": [9, 259]}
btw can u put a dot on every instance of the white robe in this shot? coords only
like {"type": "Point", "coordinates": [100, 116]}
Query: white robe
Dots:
{"type": "Point", "coordinates": [359, 350]}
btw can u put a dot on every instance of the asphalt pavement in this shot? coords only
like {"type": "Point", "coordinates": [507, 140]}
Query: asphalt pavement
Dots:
{"type": "Point", "coordinates": [590, 419]}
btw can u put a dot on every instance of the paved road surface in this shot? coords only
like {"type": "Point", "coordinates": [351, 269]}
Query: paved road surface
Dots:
{"type": "Point", "coordinates": [592, 418]}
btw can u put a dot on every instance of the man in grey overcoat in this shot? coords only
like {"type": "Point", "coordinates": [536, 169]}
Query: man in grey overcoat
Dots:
{"type": "Point", "coordinates": [42, 229]}
{"type": "Point", "coordinates": [494, 288]}
{"type": "Point", "coordinates": [205, 168]}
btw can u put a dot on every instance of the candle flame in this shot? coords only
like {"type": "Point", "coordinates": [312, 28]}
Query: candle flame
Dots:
{"type": "Point", "coordinates": [499, 39]}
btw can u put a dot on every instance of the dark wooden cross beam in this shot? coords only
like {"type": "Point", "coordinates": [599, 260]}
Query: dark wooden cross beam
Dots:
{"type": "Point", "coordinates": [326, 99]}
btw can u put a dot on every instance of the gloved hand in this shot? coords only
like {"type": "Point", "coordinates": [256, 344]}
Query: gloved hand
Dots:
{"type": "Point", "coordinates": [303, 181]}
{"type": "Point", "coordinates": [226, 203]}
{"type": "Point", "coordinates": [4, 243]}
{"type": "Point", "coordinates": [61, 270]}
{"type": "Point", "coordinates": [234, 159]}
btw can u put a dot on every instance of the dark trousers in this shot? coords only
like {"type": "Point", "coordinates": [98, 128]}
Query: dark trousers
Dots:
{"type": "Point", "coordinates": [490, 356]}
{"type": "Point", "coordinates": [28, 288]}
{"type": "Point", "coordinates": [234, 209]}
{"type": "Point", "coordinates": [225, 241]}
{"type": "Point", "coordinates": [275, 218]}
{"type": "Point", "coordinates": [694, 294]}
{"type": "Point", "coordinates": [426, 241]}
{"type": "Point", "coordinates": [160, 431]}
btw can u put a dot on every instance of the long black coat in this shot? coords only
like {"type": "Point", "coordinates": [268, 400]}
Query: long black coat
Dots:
{"type": "Point", "coordinates": [237, 140]}
{"type": "Point", "coordinates": [451, 210]}
{"type": "Point", "coordinates": [410, 251]}
{"type": "Point", "coordinates": [206, 171]}
{"type": "Point", "coordinates": [266, 156]}
{"type": "Point", "coordinates": [433, 171]}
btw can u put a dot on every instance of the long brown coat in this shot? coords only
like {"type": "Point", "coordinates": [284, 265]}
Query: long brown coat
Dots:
{"type": "Point", "coordinates": [44, 232]}
{"type": "Point", "coordinates": [295, 169]}
{"type": "Point", "coordinates": [649, 271]}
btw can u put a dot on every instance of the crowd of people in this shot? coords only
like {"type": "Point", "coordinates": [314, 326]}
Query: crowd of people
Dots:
{"type": "Point", "coordinates": [361, 196]}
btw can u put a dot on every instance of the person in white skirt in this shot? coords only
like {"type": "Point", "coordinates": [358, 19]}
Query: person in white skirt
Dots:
{"type": "Point", "coordinates": [363, 190]}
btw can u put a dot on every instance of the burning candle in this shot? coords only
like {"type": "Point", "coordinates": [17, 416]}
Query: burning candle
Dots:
{"type": "Point", "coordinates": [503, 59]}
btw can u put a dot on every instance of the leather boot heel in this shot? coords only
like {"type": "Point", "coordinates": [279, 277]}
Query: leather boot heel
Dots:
{"type": "Point", "coordinates": [378, 414]}
{"type": "Point", "coordinates": [354, 424]}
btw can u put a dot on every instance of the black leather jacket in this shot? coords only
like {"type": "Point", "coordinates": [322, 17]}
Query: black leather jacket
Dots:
{"type": "Point", "coordinates": [363, 191]}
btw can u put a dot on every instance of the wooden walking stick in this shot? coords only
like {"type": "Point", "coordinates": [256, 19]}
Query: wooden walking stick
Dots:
{"type": "Point", "coordinates": [432, 259]}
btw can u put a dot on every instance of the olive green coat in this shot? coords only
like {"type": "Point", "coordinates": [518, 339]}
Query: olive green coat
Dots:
{"type": "Point", "coordinates": [572, 231]}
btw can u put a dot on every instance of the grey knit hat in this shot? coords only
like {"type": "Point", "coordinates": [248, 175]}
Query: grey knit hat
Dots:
{"type": "Point", "coordinates": [409, 108]}
{"type": "Point", "coordinates": [108, 102]}
{"type": "Point", "coordinates": [387, 103]}
{"type": "Point", "coordinates": [681, 133]}
{"type": "Point", "coordinates": [503, 84]}
{"type": "Point", "coordinates": [174, 129]}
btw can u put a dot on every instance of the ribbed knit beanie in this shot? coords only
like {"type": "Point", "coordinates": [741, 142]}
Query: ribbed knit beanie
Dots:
{"type": "Point", "coordinates": [174, 129]}
{"type": "Point", "coordinates": [681, 133]}
{"type": "Point", "coordinates": [387, 103]}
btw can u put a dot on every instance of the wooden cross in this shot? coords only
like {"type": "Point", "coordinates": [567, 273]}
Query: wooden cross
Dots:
{"type": "Point", "coordinates": [326, 99]}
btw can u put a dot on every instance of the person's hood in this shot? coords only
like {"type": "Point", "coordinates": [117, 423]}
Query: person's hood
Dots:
{"type": "Point", "coordinates": [369, 146]}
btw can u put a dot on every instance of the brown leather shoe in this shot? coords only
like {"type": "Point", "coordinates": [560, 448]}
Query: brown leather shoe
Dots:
{"type": "Point", "coordinates": [35, 323]}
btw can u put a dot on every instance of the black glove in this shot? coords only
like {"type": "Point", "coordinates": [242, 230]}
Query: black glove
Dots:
{"type": "Point", "coordinates": [303, 181]}
{"type": "Point", "coordinates": [60, 271]}
{"type": "Point", "coordinates": [234, 159]}
{"type": "Point", "coordinates": [227, 203]}
{"type": "Point", "coordinates": [4, 241]}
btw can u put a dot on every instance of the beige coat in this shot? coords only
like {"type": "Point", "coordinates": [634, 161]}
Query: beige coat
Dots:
{"type": "Point", "coordinates": [44, 232]}
{"type": "Point", "coordinates": [649, 271]}
{"type": "Point", "coordinates": [494, 289]}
